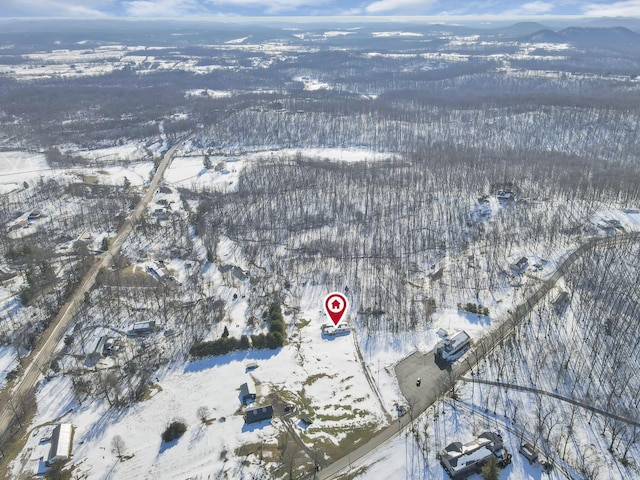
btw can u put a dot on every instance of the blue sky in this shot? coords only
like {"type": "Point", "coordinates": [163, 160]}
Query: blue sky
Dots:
{"type": "Point", "coordinates": [200, 8]}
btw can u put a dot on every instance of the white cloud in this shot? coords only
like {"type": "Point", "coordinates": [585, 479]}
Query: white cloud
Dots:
{"type": "Point", "coordinates": [163, 8]}
{"type": "Point", "coordinates": [629, 8]}
{"type": "Point", "coordinates": [270, 6]}
{"type": "Point", "coordinates": [531, 8]}
{"type": "Point", "coordinates": [55, 8]}
{"type": "Point", "coordinates": [383, 6]}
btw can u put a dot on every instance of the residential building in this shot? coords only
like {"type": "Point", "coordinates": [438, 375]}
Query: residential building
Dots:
{"type": "Point", "coordinates": [258, 414]}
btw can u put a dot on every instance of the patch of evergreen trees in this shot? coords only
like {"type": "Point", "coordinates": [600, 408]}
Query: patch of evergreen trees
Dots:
{"type": "Point", "coordinates": [275, 338]}
{"type": "Point", "coordinates": [473, 308]}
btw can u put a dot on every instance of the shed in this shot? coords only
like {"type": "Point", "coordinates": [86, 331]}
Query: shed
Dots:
{"type": "Point", "coordinates": [258, 414]}
{"type": "Point", "coordinates": [34, 214]}
{"type": "Point", "coordinates": [60, 450]}
{"type": "Point", "coordinates": [142, 328]}
{"type": "Point", "coordinates": [529, 452]}
{"type": "Point", "coordinates": [306, 418]}
{"type": "Point", "coordinates": [561, 301]}
{"type": "Point", "coordinates": [155, 271]}
{"type": "Point", "coordinates": [251, 365]}
{"type": "Point", "coordinates": [84, 237]}
{"type": "Point", "coordinates": [520, 265]}
{"type": "Point", "coordinates": [248, 392]}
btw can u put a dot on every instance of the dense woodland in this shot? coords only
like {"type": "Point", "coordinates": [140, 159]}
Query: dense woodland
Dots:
{"type": "Point", "coordinates": [460, 122]}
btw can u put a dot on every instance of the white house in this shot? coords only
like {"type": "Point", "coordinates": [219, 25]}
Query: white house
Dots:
{"type": "Point", "coordinates": [452, 347]}
{"type": "Point", "coordinates": [60, 450]}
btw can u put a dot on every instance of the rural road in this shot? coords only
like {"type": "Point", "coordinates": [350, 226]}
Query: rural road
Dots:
{"type": "Point", "coordinates": [43, 353]}
{"type": "Point", "coordinates": [436, 381]}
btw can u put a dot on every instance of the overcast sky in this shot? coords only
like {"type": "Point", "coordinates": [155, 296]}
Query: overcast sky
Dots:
{"type": "Point", "coordinates": [199, 8]}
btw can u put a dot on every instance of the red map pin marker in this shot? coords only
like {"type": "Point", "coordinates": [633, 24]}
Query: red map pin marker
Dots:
{"type": "Point", "coordinates": [335, 305]}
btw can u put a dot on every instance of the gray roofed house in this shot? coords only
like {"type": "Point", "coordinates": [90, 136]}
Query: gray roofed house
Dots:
{"type": "Point", "coordinates": [142, 328]}
{"type": "Point", "coordinates": [462, 460]}
{"type": "Point", "coordinates": [248, 391]}
{"type": "Point", "coordinates": [258, 414]}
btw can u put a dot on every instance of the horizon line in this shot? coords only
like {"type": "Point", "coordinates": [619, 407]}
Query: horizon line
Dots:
{"type": "Point", "coordinates": [321, 18]}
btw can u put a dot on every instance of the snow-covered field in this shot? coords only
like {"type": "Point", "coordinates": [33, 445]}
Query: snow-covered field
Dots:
{"type": "Point", "coordinates": [17, 167]}
{"type": "Point", "coordinates": [190, 172]}
{"type": "Point", "coordinates": [225, 172]}
{"type": "Point", "coordinates": [136, 173]}
{"type": "Point", "coordinates": [129, 152]}
{"type": "Point", "coordinates": [321, 376]}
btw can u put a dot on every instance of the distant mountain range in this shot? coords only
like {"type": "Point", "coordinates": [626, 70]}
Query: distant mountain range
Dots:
{"type": "Point", "coordinates": [619, 39]}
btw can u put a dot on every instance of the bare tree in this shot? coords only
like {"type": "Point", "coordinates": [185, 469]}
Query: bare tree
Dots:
{"type": "Point", "coordinates": [118, 446]}
{"type": "Point", "coordinates": [203, 413]}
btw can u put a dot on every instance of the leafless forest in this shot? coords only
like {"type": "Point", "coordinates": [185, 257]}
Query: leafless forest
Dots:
{"type": "Point", "coordinates": [483, 149]}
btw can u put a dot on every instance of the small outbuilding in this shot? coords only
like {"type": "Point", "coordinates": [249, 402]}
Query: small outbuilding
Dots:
{"type": "Point", "coordinates": [529, 452]}
{"type": "Point", "coordinates": [251, 366]}
{"type": "Point", "coordinates": [521, 265]}
{"type": "Point", "coordinates": [248, 392]}
{"type": "Point", "coordinates": [258, 414]}
{"type": "Point", "coordinates": [142, 328]}
{"type": "Point", "coordinates": [306, 419]}
{"type": "Point", "coordinates": [60, 450]}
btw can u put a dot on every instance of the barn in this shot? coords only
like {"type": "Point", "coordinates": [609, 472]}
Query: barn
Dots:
{"type": "Point", "coordinates": [60, 450]}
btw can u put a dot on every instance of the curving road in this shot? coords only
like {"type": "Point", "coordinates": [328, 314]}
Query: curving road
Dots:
{"type": "Point", "coordinates": [438, 380]}
{"type": "Point", "coordinates": [43, 353]}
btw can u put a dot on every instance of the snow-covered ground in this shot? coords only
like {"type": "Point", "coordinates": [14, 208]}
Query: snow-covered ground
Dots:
{"type": "Point", "coordinates": [17, 167]}
{"type": "Point", "coordinates": [383, 350]}
{"type": "Point", "coordinates": [136, 173]}
{"type": "Point", "coordinates": [225, 170]}
{"type": "Point", "coordinates": [405, 457]}
{"type": "Point", "coordinates": [129, 152]}
{"type": "Point", "coordinates": [321, 375]}
{"type": "Point", "coordinates": [190, 172]}
{"type": "Point", "coordinates": [8, 362]}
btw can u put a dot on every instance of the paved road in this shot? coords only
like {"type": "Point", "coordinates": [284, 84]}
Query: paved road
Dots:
{"type": "Point", "coordinates": [438, 380]}
{"type": "Point", "coordinates": [43, 353]}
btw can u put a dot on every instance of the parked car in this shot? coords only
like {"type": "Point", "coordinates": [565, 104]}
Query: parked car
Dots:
{"type": "Point", "coordinates": [418, 382]}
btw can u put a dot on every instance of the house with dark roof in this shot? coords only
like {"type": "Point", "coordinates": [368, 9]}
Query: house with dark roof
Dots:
{"type": "Point", "coordinates": [258, 414]}
{"type": "Point", "coordinates": [462, 460]}
{"type": "Point", "coordinates": [248, 392]}
{"type": "Point", "coordinates": [521, 265]}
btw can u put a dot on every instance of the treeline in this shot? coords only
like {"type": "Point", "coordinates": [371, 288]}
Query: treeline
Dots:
{"type": "Point", "coordinates": [275, 338]}
{"type": "Point", "coordinates": [474, 308]}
